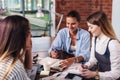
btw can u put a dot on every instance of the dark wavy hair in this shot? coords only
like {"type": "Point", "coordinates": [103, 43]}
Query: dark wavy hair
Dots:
{"type": "Point", "coordinates": [74, 14]}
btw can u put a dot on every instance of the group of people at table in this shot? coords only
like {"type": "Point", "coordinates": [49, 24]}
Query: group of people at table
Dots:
{"type": "Point", "coordinates": [99, 57]}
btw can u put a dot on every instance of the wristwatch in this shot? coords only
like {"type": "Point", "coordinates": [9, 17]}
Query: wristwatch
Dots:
{"type": "Point", "coordinates": [97, 76]}
{"type": "Point", "coordinates": [76, 59]}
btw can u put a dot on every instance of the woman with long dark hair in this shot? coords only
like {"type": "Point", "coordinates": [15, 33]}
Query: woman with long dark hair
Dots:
{"type": "Point", "coordinates": [15, 45]}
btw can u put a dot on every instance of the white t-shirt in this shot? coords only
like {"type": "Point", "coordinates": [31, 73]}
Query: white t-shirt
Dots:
{"type": "Point", "coordinates": [73, 48]}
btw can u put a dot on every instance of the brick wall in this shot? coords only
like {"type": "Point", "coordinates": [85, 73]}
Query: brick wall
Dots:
{"type": "Point", "coordinates": [84, 7]}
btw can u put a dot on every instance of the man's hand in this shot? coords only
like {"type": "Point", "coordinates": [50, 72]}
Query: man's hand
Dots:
{"type": "Point", "coordinates": [53, 54]}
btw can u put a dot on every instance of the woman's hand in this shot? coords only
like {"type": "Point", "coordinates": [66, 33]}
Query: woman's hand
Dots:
{"type": "Point", "coordinates": [88, 74]}
{"type": "Point", "coordinates": [67, 62]}
{"type": "Point", "coordinates": [82, 68]}
{"type": "Point", "coordinates": [53, 54]}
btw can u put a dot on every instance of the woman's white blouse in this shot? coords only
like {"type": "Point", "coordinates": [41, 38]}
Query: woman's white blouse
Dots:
{"type": "Point", "coordinates": [114, 48]}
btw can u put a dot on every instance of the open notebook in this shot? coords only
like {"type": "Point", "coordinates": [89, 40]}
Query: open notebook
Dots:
{"type": "Point", "coordinates": [72, 72]}
{"type": "Point", "coordinates": [54, 64]}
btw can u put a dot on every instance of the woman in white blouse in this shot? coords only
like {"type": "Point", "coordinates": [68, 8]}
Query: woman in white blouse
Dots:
{"type": "Point", "coordinates": [105, 51]}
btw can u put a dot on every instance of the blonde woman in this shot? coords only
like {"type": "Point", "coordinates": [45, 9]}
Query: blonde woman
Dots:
{"type": "Point", "coordinates": [14, 45]}
{"type": "Point", "coordinates": [104, 63]}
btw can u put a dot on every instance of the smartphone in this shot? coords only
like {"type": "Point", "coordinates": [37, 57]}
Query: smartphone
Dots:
{"type": "Point", "coordinates": [84, 68]}
{"type": "Point", "coordinates": [71, 75]}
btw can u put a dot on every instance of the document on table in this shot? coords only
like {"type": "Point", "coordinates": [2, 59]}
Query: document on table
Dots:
{"type": "Point", "coordinates": [61, 75]}
{"type": "Point", "coordinates": [48, 61]}
{"type": "Point", "coordinates": [74, 68]}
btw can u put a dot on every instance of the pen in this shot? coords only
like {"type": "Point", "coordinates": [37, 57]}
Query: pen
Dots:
{"type": "Point", "coordinates": [84, 68]}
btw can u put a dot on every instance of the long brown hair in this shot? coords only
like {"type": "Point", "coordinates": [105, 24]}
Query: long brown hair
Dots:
{"type": "Point", "coordinates": [14, 31]}
{"type": "Point", "coordinates": [100, 19]}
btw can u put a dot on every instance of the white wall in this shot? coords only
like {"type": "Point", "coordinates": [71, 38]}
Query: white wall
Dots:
{"type": "Point", "coordinates": [40, 46]}
{"type": "Point", "coordinates": [116, 17]}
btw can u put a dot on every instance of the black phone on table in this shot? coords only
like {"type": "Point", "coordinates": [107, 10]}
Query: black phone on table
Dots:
{"type": "Point", "coordinates": [71, 75]}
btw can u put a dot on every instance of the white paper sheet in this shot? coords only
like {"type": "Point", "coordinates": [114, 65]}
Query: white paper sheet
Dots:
{"type": "Point", "coordinates": [61, 75]}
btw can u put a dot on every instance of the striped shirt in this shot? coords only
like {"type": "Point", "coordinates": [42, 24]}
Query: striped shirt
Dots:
{"type": "Point", "coordinates": [17, 73]}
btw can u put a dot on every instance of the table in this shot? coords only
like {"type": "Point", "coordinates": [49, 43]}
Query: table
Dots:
{"type": "Point", "coordinates": [61, 75]}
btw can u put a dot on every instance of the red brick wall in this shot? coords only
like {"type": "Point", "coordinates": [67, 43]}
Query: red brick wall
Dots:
{"type": "Point", "coordinates": [84, 7]}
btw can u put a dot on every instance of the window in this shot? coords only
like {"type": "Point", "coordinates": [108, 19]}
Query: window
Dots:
{"type": "Point", "coordinates": [36, 11]}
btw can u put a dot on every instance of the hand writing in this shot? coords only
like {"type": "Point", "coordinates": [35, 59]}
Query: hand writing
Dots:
{"type": "Point", "coordinates": [53, 54]}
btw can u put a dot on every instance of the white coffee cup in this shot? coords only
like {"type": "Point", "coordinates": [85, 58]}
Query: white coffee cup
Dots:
{"type": "Point", "coordinates": [46, 67]}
